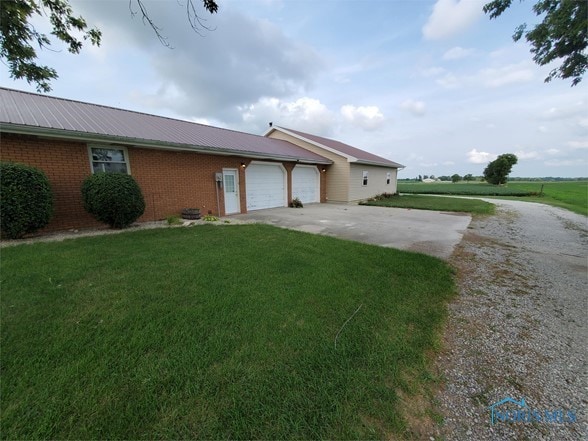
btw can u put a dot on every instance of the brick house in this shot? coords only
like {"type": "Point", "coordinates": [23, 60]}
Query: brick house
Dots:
{"type": "Point", "coordinates": [178, 164]}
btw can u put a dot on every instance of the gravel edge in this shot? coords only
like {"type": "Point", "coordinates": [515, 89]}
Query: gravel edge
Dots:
{"type": "Point", "coordinates": [518, 325]}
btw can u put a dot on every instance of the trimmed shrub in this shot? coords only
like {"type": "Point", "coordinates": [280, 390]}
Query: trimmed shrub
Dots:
{"type": "Point", "coordinates": [113, 198]}
{"type": "Point", "coordinates": [26, 199]}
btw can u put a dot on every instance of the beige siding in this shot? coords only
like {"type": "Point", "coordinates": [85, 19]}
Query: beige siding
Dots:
{"type": "Point", "coordinates": [376, 181]}
{"type": "Point", "coordinates": [337, 174]}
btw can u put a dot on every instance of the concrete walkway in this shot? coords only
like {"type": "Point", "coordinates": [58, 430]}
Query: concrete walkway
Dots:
{"type": "Point", "coordinates": [430, 232]}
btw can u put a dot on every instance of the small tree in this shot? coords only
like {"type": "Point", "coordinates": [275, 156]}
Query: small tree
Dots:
{"type": "Point", "coordinates": [455, 178]}
{"type": "Point", "coordinates": [496, 172]}
{"type": "Point", "coordinates": [469, 177]}
{"type": "Point", "coordinates": [113, 198]}
{"type": "Point", "coordinates": [26, 199]}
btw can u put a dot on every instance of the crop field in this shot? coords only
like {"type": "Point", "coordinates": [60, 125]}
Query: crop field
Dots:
{"type": "Point", "coordinates": [571, 195]}
{"type": "Point", "coordinates": [475, 189]}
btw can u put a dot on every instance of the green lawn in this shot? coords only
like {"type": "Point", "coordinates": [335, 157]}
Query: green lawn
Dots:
{"type": "Point", "coordinates": [215, 332]}
{"type": "Point", "coordinates": [421, 202]}
{"type": "Point", "coordinates": [571, 195]}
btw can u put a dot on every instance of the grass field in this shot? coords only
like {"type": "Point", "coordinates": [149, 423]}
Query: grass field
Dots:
{"type": "Point", "coordinates": [216, 332]}
{"type": "Point", "coordinates": [423, 202]}
{"type": "Point", "coordinates": [571, 195]}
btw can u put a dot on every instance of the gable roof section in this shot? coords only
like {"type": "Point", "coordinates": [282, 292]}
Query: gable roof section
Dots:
{"type": "Point", "coordinates": [352, 154]}
{"type": "Point", "coordinates": [31, 113]}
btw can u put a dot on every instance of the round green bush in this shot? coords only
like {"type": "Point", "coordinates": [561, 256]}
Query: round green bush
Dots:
{"type": "Point", "coordinates": [113, 198]}
{"type": "Point", "coordinates": [26, 199]}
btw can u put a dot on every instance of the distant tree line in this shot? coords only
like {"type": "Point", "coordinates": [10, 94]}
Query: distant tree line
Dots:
{"type": "Point", "coordinates": [515, 178]}
{"type": "Point", "coordinates": [496, 172]}
{"type": "Point", "coordinates": [548, 179]}
{"type": "Point", "coordinates": [453, 178]}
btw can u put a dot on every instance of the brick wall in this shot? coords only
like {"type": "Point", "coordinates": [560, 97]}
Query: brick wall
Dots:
{"type": "Point", "coordinates": [169, 180]}
{"type": "Point", "coordinates": [65, 163]}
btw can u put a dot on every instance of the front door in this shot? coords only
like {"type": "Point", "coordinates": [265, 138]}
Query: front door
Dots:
{"type": "Point", "coordinates": [231, 190]}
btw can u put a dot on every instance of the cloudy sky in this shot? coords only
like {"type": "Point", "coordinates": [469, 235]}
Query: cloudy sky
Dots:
{"type": "Point", "coordinates": [434, 85]}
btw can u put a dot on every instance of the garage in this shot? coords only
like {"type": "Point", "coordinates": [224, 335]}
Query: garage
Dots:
{"type": "Point", "coordinates": [266, 185]}
{"type": "Point", "coordinates": [305, 184]}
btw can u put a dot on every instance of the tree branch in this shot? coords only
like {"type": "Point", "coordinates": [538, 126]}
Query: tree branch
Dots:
{"type": "Point", "coordinates": [147, 19]}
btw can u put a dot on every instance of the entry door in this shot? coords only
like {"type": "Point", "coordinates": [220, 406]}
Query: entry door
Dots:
{"type": "Point", "coordinates": [231, 190]}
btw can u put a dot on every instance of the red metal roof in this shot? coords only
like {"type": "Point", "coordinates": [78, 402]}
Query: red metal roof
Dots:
{"type": "Point", "coordinates": [361, 155]}
{"type": "Point", "coordinates": [30, 112]}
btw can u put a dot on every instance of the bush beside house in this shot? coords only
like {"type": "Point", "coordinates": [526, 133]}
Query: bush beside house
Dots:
{"type": "Point", "coordinates": [26, 199]}
{"type": "Point", "coordinates": [113, 198]}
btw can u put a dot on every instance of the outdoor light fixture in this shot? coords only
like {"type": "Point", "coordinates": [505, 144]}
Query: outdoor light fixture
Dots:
{"type": "Point", "coordinates": [242, 165]}
{"type": "Point", "coordinates": [323, 169]}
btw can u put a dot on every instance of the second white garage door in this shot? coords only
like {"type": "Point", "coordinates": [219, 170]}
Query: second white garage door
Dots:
{"type": "Point", "coordinates": [266, 186]}
{"type": "Point", "coordinates": [305, 184]}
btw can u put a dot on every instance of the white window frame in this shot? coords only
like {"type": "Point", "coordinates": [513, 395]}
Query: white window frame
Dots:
{"type": "Point", "coordinates": [388, 178]}
{"type": "Point", "coordinates": [364, 178]}
{"type": "Point", "coordinates": [109, 147]}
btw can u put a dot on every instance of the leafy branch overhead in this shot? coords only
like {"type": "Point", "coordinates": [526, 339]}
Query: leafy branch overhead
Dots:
{"type": "Point", "coordinates": [562, 35]}
{"type": "Point", "coordinates": [19, 40]}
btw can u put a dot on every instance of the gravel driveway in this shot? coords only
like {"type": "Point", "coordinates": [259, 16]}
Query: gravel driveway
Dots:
{"type": "Point", "coordinates": [518, 327]}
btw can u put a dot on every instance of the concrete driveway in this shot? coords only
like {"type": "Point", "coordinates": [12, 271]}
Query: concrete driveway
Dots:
{"type": "Point", "coordinates": [430, 232]}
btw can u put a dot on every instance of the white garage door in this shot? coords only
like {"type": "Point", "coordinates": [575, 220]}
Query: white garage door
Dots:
{"type": "Point", "coordinates": [305, 184]}
{"type": "Point", "coordinates": [266, 187]}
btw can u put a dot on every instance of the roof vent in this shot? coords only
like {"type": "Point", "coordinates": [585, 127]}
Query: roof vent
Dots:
{"type": "Point", "coordinates": [271, 124]}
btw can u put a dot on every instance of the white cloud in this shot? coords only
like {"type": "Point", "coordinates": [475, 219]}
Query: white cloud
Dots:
{"type": "Point", "coordinates": [429, 164]}
{"type": "Point", "coordinates": [204, 121]}
{"type": "Point", "coordinates": [450, 17]}
{"type": "Point", "coordinates": [243, 59]}
{"type": "Point", "coordinates": [417, 108]}
{"type": "Point", "coordinates": [432, 71]}
{"type": "Point", "coordinates": [521, 154]}
{"type": "Point", "coordinates": [456, 53]}
{"type": "Point", "coordinates": [306, 114]}
{"type": "Point", "coordinates": [552, 151]}
{"type": "Point", "coordinates": [542, 129]}
{"type": "Point", "coordinates": [414, 157]}
{"type": "Point", "coordinates": [476, 157]}
{"type": "Point", "coordinates": [448, 81]}
{"type": "Point", "coordinates": [569, 111]}
{"type": "Point", "coordinates": [502, 76]}
{"type": "Point", "coordinates": [448, 163]}
{"type": "Point", "coordinates": [581, 144]}
{"type": "Point", "coordinates": [365, 117]}
{"type": "Point", "coordinates": [566, 162]}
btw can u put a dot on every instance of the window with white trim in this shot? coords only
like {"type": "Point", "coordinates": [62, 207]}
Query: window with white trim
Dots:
{"type": "Point", "coordinates": [109, 160]}
{"type": "Point", "coordinates": [364, 180]}
{"type": "Point", "coordinates": [388, 178]}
